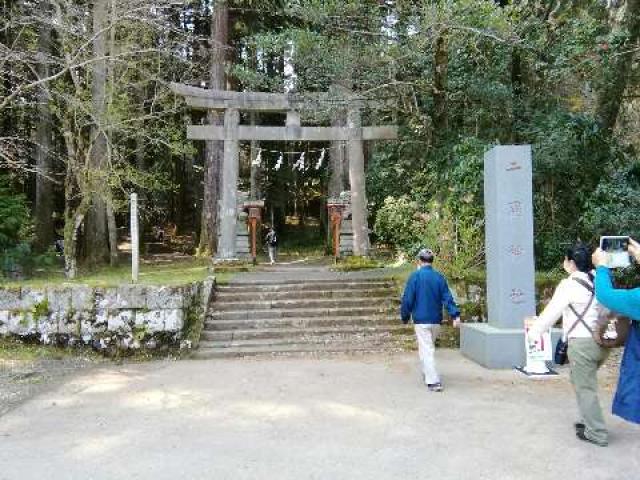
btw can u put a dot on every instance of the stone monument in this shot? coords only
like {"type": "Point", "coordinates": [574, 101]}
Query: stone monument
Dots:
{"type": "Point", "coordinates": [508, 204]}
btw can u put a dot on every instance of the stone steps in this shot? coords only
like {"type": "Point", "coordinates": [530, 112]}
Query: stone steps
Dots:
{"type": "Point", "coordinates": [325, 315]}
{"type": "Point", "coordinates": [334, 347]}
{"type": "Point", "coordinates": [309, 331]}
{"type": "Point", "coordinates": [303, 304]}
{"type": "Point", "coordinates": [241, 296]}
{"type": "Point", "coordinates": [319, 340]}
{"type": "Point", "coordinates": [301, 312]}
{"type": "Point", "coordinates": [213, 325]}
{"type": "Point", "coordinates": [303, 285]}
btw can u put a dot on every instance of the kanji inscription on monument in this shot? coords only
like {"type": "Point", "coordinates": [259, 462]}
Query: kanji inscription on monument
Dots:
{"type": "Point", "coordinates": [509, 228]}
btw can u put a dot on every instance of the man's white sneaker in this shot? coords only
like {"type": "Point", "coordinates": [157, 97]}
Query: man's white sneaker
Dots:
{"type": "Point", "coordinates": [435, 387]}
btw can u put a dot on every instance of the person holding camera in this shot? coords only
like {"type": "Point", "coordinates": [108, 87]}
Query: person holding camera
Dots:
{"type": "Point", "coordinates": [425, 293]}
{"type": "Point", "coordinates": [626, 403]}
{"type": "Point", "coordinates": [574, 301]}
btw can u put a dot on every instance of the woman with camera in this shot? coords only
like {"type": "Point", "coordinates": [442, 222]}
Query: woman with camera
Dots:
{"type": "Point", "coordinates": [626, 403]}
{"type": "Point", "coordinates": [574, 300]}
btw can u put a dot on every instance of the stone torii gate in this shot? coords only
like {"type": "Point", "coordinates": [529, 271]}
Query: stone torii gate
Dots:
{"type": "Point", "coordinates": [232, 133]}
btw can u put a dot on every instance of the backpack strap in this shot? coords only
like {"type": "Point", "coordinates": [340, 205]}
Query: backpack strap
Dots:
{"type": "Point", "coordinates": [586, 285]}
{"type": "Point", "coordinates": [580, 316]}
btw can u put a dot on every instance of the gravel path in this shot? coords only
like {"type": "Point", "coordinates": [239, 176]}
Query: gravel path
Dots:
{"type": "Point", "coordinates": [298, 418]}
{"type": "Point", "coordinates": [22, 379]}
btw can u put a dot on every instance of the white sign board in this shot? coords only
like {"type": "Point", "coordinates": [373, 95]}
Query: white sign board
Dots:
{"type": "Point", "coordinates": [538, 350]}
{"type": "Point", "coordinates": [135, 238]}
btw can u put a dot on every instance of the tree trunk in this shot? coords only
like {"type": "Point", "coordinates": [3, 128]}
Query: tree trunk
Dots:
{"type": "Point", "coordinates": [214, 150]}
{"type": "Point", "coordinates": [113, 233]}
{"type": "Point", "coordinates": [111, 215]}
{"type": "Point", "coordinates": [74, 211]}
{"type": "Point", "coordinates": [73, 223]}
{"type": "Point", "coordinates": [142, 195]}
{"type": "Point", "coordinates": [44, 228]}
{"type": "Point", "coordinates": [338, 153]}
{"type": "Point", "coordinates": [337, 162]}
{"type": "Point", "coordinates": [516, 94]}
{"type": "Point", "coordinates": [188, 196]}
{"type": "Point", "coordinates": [612, 89]}
{"type": "Point", "coordinates": [96, 236]}
{"type": "Point", "coordinates": [440, 70]}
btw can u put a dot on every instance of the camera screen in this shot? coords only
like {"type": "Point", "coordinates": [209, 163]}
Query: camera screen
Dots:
{"type": "Point", "coordinates": [615, 244]}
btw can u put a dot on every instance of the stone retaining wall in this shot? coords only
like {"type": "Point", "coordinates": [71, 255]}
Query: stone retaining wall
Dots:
{"type": "Point", "coordinates": [127, 316]}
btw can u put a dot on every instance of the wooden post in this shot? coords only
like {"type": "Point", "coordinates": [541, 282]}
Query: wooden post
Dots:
{"type": "Point", "coordinates": [135, 238]}
{"type": "Point", "coordinates": [255, 217]}
{"type": "Point", "coordinates": [335, 220]}
{"type": "Point", "coordinates": [253, 226]}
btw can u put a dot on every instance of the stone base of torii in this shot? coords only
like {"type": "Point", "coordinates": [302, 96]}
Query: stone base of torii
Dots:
{"type": "Point", "coordinates": [354, 135]}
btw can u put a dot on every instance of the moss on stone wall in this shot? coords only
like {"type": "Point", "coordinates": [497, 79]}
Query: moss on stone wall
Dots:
{"type": "Point", "coordinates": [194, 319]}
{"type": "Point", "coordinates": [41, 309]}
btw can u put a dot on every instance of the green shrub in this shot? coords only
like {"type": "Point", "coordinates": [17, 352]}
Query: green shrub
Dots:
{"type": "Point", "coordinates": [400, 223]}
{"type": "Point", "coordinates": [16, 256]}
{"type": "Point", "coordinates": [457, 240]}
{"type": "Point", "coordinates": [354, 263]}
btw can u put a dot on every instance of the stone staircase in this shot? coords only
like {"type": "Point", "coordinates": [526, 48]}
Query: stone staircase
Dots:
{"type": "Point", "coordinates": [304, 316]}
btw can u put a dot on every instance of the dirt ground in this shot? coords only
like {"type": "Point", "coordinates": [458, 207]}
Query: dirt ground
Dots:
{"type": "Point", "coordinates": [25, 375]}
{"type": "Point", "coordinates": [364, 417]}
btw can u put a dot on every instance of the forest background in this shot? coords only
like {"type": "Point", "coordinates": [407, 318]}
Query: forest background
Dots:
{"type": "Point", "coordinates": [87, 116]}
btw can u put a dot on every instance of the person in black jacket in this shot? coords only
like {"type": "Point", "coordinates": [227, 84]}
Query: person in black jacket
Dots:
{"type": "Point", "coordinates": [272, 244]}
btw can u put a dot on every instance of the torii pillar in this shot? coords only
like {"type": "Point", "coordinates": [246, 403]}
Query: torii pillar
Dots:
{"type": "Point", "coordinates": [230, 172]}
{"type": "Point", "coordinates": [359, 207]}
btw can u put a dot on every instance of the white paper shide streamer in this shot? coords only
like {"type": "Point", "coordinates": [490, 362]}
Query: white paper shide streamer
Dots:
{"type": "Point", "coordinates": [279, 162]}
{"type": "Point", "coordinates": [320, 160]}
{"type": "Point", "coordinates": [299, 165]}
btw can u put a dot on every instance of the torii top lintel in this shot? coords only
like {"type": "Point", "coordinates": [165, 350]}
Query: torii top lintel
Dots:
{"type": "Point", "coordinates": [205, 99]}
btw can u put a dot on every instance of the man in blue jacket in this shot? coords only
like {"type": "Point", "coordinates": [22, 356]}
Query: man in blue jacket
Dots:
{"type": "Point", "coordinates": [424, 296]}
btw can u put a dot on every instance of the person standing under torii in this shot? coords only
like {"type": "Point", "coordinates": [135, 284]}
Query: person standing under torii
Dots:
{"type": "Point", "coordinates": [424, 296]}
{"type": "Point", "coordinates": [272, 244]}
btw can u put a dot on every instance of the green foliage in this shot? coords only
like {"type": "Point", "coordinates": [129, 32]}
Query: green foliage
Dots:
{"type": "Point", "coordinates": [443, 212]}
{"type": "Point", "coordinates": [16, 256]}
{"type": "Point", "coordinates": [355, 263]}
{"type": "Point", "coordinates": [14, 217]}
{"type": "Point", "coordinates": [457, 240]}
{"type": "Point", "coordinates": [18, 350]}
{"type": "Point", "coordinates": [179, 272]}
{"type": "Point", "coordinates": [612, 208]}
{"type": "Point", "coordinates": [399, 223]}
{"type": "Point", "coordinates": [41, 309]}
{"type": "Point", "coordinates": [569, 152]}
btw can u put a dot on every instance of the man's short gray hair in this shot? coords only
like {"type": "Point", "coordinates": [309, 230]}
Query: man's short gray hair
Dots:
{"type": "Point", "coordinates": [426, 255]}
